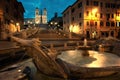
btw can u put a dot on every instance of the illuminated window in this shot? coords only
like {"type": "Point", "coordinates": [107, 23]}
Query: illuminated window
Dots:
{"type": "Point", "coordinates": [87, 23]}
{"type": "Point", "coordinates": [118, 24]}
{"type": "Point", "coordinates": [91, 23]}
{"type": "Point", "coordinates": [8, 0]}
{"type": "Point", "coordinates": [118, 6]}
{"type": "Point", "coordinates": [87, 13]}
{"type": "Point", "coordinates": [6, 9]}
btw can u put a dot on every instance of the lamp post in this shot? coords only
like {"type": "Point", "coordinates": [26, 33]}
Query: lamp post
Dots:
{"type": "Point", "coordinates": [70, 31]}
{"type": "Point", "coordinates": [117, 19]}
{"type": "Point", "coordinates": [93, 17]}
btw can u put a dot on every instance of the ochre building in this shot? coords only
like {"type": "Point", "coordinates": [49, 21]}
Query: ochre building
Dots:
{"type": "Point", "coordinates": [93, 18]}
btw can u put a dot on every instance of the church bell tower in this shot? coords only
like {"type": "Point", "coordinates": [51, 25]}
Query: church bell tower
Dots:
{"type": "Point", "coordinates": [37, 20]}
{"type": "Point", "coordinates": [44, 16]}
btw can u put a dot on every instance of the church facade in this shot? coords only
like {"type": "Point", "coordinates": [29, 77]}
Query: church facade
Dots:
{"type": "Point", "coordinates": [39, 19]}
{"type": "Point", "coordinates": [40, 16]}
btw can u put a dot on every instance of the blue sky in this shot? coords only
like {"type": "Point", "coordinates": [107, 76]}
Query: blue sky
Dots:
{"type": "Point", "coordinates": [52, 6]}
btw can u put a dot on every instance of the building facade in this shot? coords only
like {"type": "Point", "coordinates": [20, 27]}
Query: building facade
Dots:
{"type": "Point", "coordinates": [93, 18]}
{"type": "Point", "coordinates": [39, 19]}
{"type": "Point", "coordinates": [29, 22]}
{"type": "Point", "coordinates": [56, 22]}
{"type": "Point", "coordinates": [10, 10]}
{"type": "Point", "coordinates": [40, 16]}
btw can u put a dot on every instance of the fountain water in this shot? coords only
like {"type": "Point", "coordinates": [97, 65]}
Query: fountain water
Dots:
{"type": "Point", "coordinates": [72, 63]}
{"type": "Point", "coordinates": [100, 60]}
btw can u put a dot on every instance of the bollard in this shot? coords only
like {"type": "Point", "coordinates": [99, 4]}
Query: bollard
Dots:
{"type": "Point", "coordinates": [65, 45]}
{"type": "Point", "coordinates": [51, 46]}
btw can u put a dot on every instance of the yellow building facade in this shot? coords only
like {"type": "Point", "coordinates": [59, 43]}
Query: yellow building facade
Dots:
{"type": "Point", "coordinates": [93, 18]}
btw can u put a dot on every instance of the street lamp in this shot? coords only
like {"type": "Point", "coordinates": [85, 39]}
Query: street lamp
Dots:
{"type": "Point", "coordinates": [117, 19]}
{"type": "Point", "coordinates": [93, 17]}
{"type": "Point", "coordinates": [70, 31]}
{"type": "Point", "coordinates": [18, 26]}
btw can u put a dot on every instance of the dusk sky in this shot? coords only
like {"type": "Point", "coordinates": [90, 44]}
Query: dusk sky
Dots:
{"type": "Point", "coordinates": [52, 6]}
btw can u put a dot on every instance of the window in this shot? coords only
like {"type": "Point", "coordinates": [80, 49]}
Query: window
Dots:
{"type": "Point", "coordinates": [107, 5]}
{"type": "Point", "coordinates": [87, 23]}
{"type": "Point", "coordinates": [64, 15]}
{"type": "Point", "coordinates": [87, 2]}
{"type": "Point", "coordinates": [118, 24]}
{"type": "Point", "coordinates": [118, 6]}
{"type": "Point", "coordinates": [68, 12]}
{"type": "Point", "coordinates": [80, 24]}
{"type": "Point", "coordinates": [80, 15]}
{"type": "Point", "coordinates": [73, 10]}
{"type": "Point", "coordinates": [6, 10]}
{"type": "Point", "coordinates": [112, 24]}
{"type": "Point", "coordinates": [80, 5]}
{"type": "Point", "coordinates": [112, 33]}
{"type": "Point", "coordinates": [101, 23]}
{"type": "Point", "coordinates": [95, 23]}
{"type": "Point", "coordinates": [91, 22]}
{"type": "Point", "coordinates": [87, 13]}
{"type": "Point", "coordinates": [72, 18]}
{"type": "Point", "coordinates": [8, 0]}
{"type": "Point", "coordinates": [112, 16]}
{"type": "Point", "coordinates": [108, 16]}
{"type": "Point", "coordinates": [101, 15]}
{"type": "Point", "coordinates": [95, 3]}
{"type": "Point", "coordinates": [101, 4]}
{"type": "Point", "coordinates": [113, 5]}
{"type": "Point", "coordinates": [107, 23]}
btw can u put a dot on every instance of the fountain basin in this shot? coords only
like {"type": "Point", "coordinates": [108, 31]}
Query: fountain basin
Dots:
{"type": "Point", "coordinates": [97, 64]}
